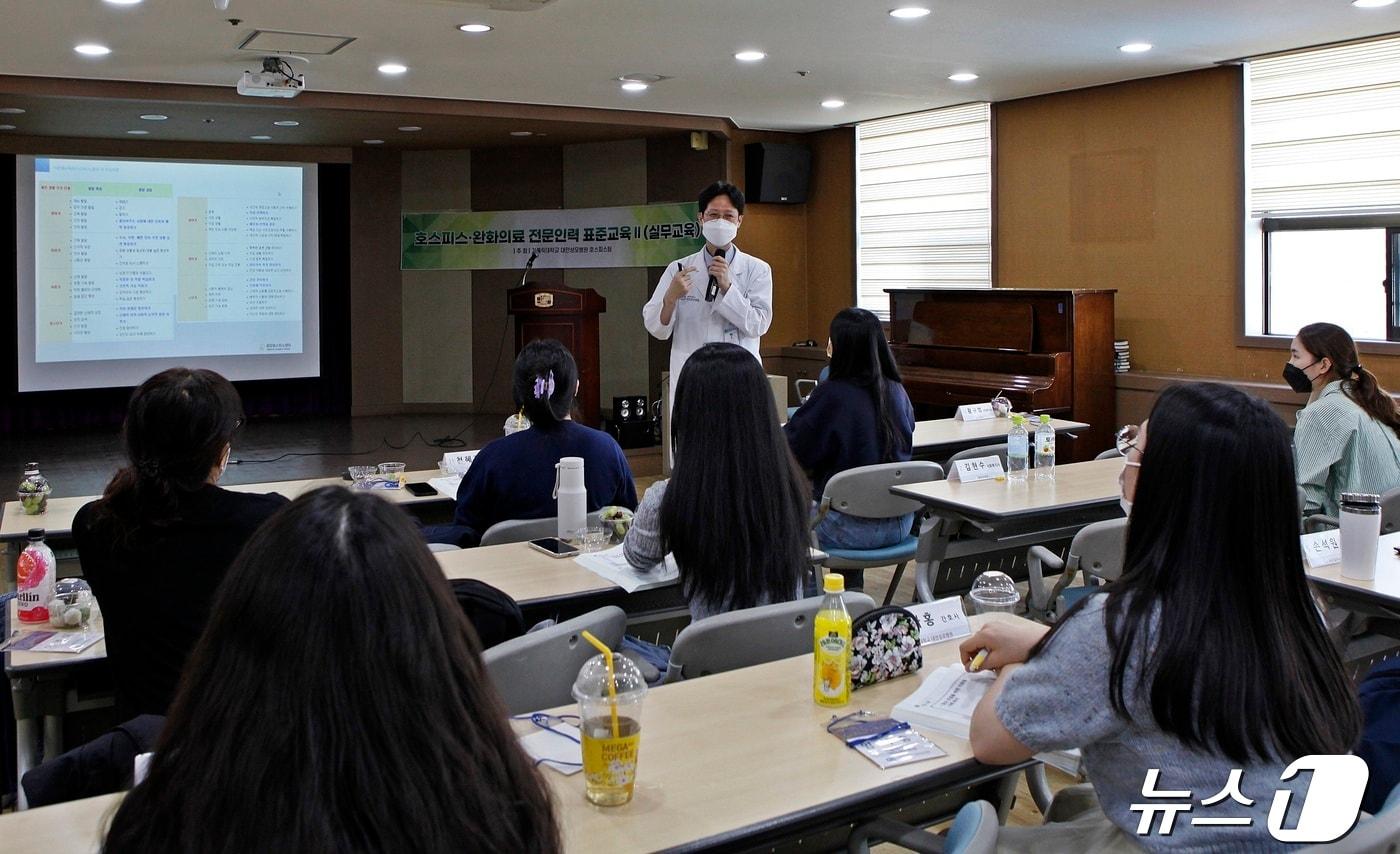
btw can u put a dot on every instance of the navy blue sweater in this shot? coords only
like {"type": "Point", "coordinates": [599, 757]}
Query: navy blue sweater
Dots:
{"type": "Point", "coordinates": [513, 478]}
{"type": "Point", "coordinates": [837, 429]}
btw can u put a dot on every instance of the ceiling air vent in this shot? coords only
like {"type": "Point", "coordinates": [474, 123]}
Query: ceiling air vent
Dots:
{"type": "Point", "coordinates": [499, 5]}
{"type": "Point", "coordinates": [301, 44]}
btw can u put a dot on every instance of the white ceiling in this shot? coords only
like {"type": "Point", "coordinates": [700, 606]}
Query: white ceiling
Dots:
{"type": "Point", "coordinates": [570, 51]}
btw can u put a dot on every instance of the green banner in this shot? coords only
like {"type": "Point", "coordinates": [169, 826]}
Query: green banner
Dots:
{"type": "Point", "coordinates": [636, 236]}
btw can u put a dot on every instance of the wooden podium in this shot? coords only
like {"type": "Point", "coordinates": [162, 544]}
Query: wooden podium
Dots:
{"type": "Point", "coordinates": [569, 316]}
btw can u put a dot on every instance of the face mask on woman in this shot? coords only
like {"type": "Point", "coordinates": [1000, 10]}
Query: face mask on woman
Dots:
{"type": "Point", "coordinates": [1297, 378]}
{"type": "Point", "coordinates": [1123, 499]}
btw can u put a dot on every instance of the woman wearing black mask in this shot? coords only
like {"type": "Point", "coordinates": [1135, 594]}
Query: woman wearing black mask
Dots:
{"type": "Point", "coordinates": [1348, 434]}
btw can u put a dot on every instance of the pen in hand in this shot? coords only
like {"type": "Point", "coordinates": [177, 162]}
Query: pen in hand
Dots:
{"type": "Point", "coordinates": [977, 661]}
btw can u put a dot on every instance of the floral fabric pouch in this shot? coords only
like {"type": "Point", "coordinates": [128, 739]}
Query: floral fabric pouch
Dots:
{"type": "Point", "coordinates": [884, 644]}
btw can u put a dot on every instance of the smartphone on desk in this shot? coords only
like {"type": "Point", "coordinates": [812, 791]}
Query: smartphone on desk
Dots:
{"type": "Point", "coordinates": [554, 547]}
{"type": "Point", "coordinates": [422, 490]}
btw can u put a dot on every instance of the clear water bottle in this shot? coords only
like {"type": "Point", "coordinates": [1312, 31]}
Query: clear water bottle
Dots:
{"type": "Point", "coordinates": [1018, 449]}
{"type": "Point", "coordinates": [1045, 450]}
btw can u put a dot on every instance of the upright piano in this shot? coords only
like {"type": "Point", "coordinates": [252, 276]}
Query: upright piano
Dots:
{"type": "Point", "coordinates": [1048, 351]}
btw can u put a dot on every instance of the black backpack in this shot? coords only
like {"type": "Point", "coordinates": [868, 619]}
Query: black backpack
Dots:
{"type": "Point", "coordinates": [493, 614]}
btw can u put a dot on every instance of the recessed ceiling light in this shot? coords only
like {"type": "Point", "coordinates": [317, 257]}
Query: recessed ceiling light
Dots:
{"type": "Point", "coordinates": [522, 133]}
{"type": "Point", "coordinates": [123, 2]}
{"type": "Point", "coordinates": [7, 127]}
{"type": "Point", "coordinates": [154, 117]}
{"type": "Point", "coordinates": [138, 132]}
{"type": "Point", "coordinates": [93, 49]}
{"type": "Point", "coordinates": [392, 68]}
{"type": "Point", "coordinates": [634, 86]}
{"type": "Point", "coordinates": [833, 103]}
{"type": "Point", "coordinates": [962, 77]}
{"type": "Point", "coordinates": [1371, 4]}
{"type": "Point", "coordinates": [11, 111]}
{"type": "Point", "coordinates": [908, 12]}
{"type": "Point", "coordinates": [260, 136]}
{"type": "Point", "coordinates": [374, 142]}
{"type": "Point", "coordinates": [287, 123]}
{"type": "Point", "coordinates": [750, 55]}
{"type": "Point", "coordinates": [410, 128]}
{"type": "Point", "coordinates": [474, 28]}
{"type": "Point", "coordinates": [1135, 47]}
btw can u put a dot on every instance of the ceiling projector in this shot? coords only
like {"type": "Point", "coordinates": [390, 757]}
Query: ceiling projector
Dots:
{"type": "Point", "coordinates": [276, 80]}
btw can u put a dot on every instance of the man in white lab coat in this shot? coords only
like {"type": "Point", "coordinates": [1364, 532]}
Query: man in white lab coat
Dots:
{"type": "Point", "coordinates": [717, 294]}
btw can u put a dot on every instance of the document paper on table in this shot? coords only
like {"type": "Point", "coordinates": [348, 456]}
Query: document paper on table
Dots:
{"type": "Point", "coordinates": [611, 564]}
{"type": "Point", "coordinates": [945, 703]}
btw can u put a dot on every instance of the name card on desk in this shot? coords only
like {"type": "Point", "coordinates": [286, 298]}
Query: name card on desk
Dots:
{"type": "Point", "coordinates": [975, 412]}
{"type": "Point", "coordinates": [940, 620]}
{"type": "Point", "coordinates": [458, 462]}
{"type": "Point", "coordinates": [1322, 548]}
{"type": "Point", "coordinates": [979, 468]}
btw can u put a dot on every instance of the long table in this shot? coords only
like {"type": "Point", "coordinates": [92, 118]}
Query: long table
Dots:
{"type": "Point", "coordinates": [57, 519]}
{"type": "Point", "coordinates": [943, 437]}
{"type": "Point", "coordinates": [1380, 595]}
{"type": "Point", "coordinates": [989, 515]}
{"type": "Point", "coordinates": [734, 760]}
{"type": "Point", "coordinates": [534, 580]}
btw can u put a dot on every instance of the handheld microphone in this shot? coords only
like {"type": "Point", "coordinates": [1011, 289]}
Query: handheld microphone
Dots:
{"type": "Point", "coordinates": [528, 265]}
{"type": "Point", "coordinates": [712, 290]}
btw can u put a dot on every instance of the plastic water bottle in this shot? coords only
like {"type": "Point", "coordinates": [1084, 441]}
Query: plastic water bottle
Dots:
{"type": "Point", "coordinates": [1018, 449]}
{"type": "Point", "coordinates": [35, 573]}
{"type": "Point", "coordinates": [572, 497]}
{"type": "Point", "coordinates": [831, 646]}
{"type": "Point", "coordinates": [1045, 450]}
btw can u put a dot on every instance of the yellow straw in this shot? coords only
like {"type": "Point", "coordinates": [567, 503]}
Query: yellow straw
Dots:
{"type": "Point", "coordinates": [612, 681]}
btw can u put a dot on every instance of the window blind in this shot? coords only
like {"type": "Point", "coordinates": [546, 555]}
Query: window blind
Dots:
{"type": "Point", "coordinates": [923, 203]}
{"type": "Point", "coordinates": [1324, 130]}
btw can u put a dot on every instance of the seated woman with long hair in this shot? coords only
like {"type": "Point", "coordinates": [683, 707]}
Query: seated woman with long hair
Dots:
{"type": "Point", "coordinates": [513, 477]}
{"type": "Point", "coordinates": [859, 416]}
{"type": "Point", "coordinates": [1207, 655]}
{"type": "Point", "coordinates": [157, 544]}
{"type": "Point", "coordinates": [735, 511]}
{"type": "Point", "coordinates": [337, 702]}
{"type": "Point", "coordinates": [1348, 434]}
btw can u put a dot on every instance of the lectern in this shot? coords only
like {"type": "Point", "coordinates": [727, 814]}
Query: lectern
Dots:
{"type": "Point", "coordinates": [570, 316]}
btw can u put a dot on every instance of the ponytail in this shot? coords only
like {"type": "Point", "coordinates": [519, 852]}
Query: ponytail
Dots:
{"type": "Point", "coordinates": [1362, 387]}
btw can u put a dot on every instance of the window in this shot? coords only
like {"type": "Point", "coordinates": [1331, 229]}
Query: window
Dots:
{"type": "Point", "coordinates": [1323, 171]}
{"type": "Point", "coordinates": [923, 203]}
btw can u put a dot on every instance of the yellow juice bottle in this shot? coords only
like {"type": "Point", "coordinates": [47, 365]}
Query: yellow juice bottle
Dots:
{"type": "Point", "coordinates": [831, 647]}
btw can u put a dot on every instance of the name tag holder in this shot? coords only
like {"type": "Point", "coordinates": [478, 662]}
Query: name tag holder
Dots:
{"type": "Point", "coordinates": [978, 468]}
{"type": "Point", "coordinates": [1322, 548]}
{"type": "Point", "coordinates": [975, 412]}
{"type": "Point", "coordinates": [940, 620]}
{"type": "Point", "coordinates": [458, 462]}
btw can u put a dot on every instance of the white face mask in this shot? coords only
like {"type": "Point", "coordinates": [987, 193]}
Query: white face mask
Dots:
{"type": "Point", "coordinates": [720, 232]}
{"type": "Point", "coordinates": [1123, 499]}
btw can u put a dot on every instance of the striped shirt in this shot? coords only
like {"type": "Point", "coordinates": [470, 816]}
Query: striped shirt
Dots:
{"type": "Point", "coordinates": [1340, 448]}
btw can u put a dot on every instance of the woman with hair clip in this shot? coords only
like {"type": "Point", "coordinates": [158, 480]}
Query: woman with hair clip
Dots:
{"type": "Point", "coordinates": [156, 545]}
{"type": "Point", "coordinates": [735, 511]}
{"type": "Point", "coordinates": [1348, 435]}
{"type": "Point", "coordinates": [513, 477]}
{"type": "Point", "coordinates": [337, 702]}
{"type": "Point", "coordinates": [1206, 656]}
{"type": "Point", "coordinates": [859, 416]}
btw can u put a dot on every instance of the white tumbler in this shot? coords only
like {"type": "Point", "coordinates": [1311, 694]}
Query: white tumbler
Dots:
{"type": "Point", "coordinates": [571, 495]}
{"type": "Point", "coordinates": [1360, 519]}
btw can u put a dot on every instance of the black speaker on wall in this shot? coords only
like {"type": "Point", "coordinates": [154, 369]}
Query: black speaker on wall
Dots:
{"type": "Point", "coordinates": [777, 172]}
